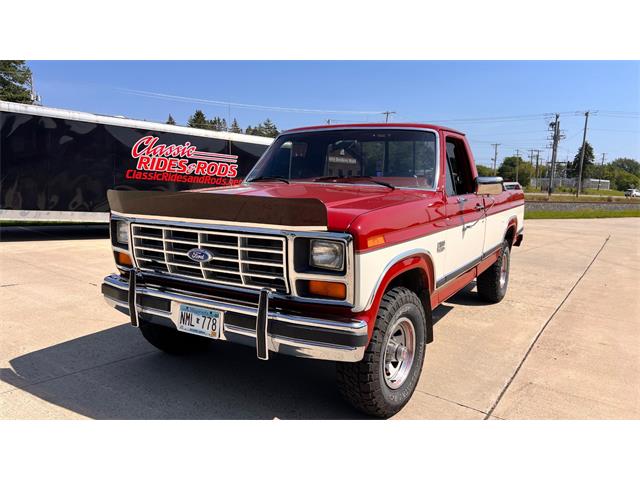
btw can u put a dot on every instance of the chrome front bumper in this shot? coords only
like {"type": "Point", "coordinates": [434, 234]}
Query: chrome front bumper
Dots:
{"type": "Point", "coordinates": [301, 336]}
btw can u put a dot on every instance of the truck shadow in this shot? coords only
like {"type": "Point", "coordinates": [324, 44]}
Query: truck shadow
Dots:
{"type": "Point", "coordinates": [29, 233]}
{"type": "Point", "coordinates": [467, 296]}
{"type": "Point", "coordinates": [115, 374]}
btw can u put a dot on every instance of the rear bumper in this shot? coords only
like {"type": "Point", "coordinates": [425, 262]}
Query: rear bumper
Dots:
{"type": "Point", "coordinates": [277, 331]}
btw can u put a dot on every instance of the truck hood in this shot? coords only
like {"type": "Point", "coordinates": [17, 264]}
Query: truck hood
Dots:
{"type": "Point", "coordinates": [344, 202]}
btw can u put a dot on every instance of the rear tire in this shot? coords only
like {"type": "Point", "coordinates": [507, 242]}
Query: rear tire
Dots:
{"type": "Point", "coordinates": [172, 341]}
{"type": "Point", "coordinates": [383, 381]}
{"type": "Point", "coordinates": [492, 283]}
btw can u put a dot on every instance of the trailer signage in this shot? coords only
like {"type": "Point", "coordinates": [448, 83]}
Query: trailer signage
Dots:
{"type": "Point", "coordinates": [181, 163]}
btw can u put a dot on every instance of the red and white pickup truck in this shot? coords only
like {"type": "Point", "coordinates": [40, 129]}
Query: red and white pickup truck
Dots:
{"type": "Point", "coordinates": [337, 246]}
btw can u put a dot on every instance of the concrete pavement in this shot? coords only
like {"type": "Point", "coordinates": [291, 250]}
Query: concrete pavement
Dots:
{"type": "Point", "coordinates": [565, 342]}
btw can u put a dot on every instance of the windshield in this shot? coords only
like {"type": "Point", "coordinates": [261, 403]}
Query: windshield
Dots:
{"type": "Point", "coordinates": [399, 158]}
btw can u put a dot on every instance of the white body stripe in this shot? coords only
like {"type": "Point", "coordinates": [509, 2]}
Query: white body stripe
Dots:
{"type": "Point", "coordinates": [497, 226]}
{"type": "Point", "coordinates": [462, 246]}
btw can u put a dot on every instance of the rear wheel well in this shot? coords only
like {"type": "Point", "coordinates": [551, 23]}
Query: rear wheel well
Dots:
{"type": "Point", "coordinates": [417, 281]}
{"type": "Point", "coordinates": [510, 235]}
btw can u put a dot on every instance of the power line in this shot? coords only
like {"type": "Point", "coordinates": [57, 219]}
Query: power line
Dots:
{"type": "Point", "coordinates": [506, 118]}
{"type": "Point", "coordinates": [220, 103]}
{"type": "Point", "coordinates": [386, 114]}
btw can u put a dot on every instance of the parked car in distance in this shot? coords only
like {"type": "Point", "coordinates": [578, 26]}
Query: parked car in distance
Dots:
{"type": "Point", "coordinates": [512, 186]}
{"type": "Point", "coordinates": [337, 246]}
{"type": "Point", "coordinates": [632, 192]}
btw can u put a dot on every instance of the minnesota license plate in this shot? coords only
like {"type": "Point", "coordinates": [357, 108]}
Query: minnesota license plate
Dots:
{"type": "Point", "coordinates": [200, 321]}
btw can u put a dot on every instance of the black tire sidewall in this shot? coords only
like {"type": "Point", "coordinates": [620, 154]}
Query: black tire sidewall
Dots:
{"type": "Point", "coordinates": [399, 397]}
{"type": "Point", "coordinates": [506, 250]}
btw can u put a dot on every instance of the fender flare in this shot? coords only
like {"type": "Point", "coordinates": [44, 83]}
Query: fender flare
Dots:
{"type": "Point", "coordinates": [512, 222]}
{"type": "Point", "coordinates": [411, 260]}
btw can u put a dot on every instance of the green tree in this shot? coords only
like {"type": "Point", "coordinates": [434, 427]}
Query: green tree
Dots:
{"type": "Point", "coordinates": [15, 81]}
{"type": "Point", "coordinates": [235, 128]}
{"type": "Point", "coordinates": [514, 169]}
{"type": "Point", "coordinates": [218, 124]}
{"type": "Point", "coordinates": [170, 120]}
{"type": "Point", "coordinates": [620, 179]}
{"type": "Point", "coordinates": [269, 129]}
{"type": "Point", "coordinates": [628, 165]}
{"type": "Point", "coordinates": [213, 124]}
{"type": "Point", "coordinates": [573, 168]}
{"type": "Point", "coordinates": [484, 171]}
{"type": "Point", "coordinates": [198, 120]}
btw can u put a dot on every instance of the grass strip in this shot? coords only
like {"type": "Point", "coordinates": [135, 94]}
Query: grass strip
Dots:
{"type": "Point", "coordinates": [592, 213]}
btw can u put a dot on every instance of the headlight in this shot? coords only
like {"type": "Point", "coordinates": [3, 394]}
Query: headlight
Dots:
{"type": "Point", "coordinates": [122, 232]}
{"type": "Point", "coordinates": [327, 254]}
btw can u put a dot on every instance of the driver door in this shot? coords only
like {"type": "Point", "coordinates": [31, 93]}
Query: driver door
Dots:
{"type": "Point", "coordinates": [464, 210]}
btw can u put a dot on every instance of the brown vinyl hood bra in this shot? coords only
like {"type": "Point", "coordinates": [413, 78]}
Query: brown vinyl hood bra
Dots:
{"type": "Point", "coordinates": [217, 207]}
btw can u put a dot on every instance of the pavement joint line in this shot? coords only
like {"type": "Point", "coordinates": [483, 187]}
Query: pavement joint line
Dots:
{"type": "Point", "coordinates": [542, 329]}
{"type": "Point", "coordinates": [82, 370]}
{"type": "Point", "coordinates": [452, 401]}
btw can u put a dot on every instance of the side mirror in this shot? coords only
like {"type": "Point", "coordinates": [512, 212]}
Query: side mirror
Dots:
{"type": "Point", "coordinates": [489, 185]}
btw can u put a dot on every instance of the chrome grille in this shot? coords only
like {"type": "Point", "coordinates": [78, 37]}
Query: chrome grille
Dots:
{"type": "Point", "coordinates": [246, 260]}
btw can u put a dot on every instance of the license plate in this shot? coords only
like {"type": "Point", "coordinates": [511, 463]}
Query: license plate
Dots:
{"type": "Point", "coordinates": [200, 321]}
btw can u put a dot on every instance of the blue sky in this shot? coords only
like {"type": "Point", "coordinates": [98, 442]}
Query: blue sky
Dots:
{"type": "Point", "coordinates": [467, 95]}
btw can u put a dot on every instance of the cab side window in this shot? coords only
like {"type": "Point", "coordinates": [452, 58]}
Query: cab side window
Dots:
{"type": "Point", "coordinates": [458, 174]}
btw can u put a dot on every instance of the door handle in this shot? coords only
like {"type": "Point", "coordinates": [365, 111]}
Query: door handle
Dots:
{"type": "Point", "coordinates": [479, 207]}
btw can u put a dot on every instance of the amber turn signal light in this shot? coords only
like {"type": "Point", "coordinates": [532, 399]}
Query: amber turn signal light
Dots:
{"type": "Point", "coordinates": [375, 241]}
{"type": "Point", "coordinates": [328, 289]}
{"type": "Point", "coordinates": [123, 259]}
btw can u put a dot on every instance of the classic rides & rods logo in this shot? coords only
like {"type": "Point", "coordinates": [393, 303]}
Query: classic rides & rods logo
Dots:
{"type": "Point", "coordinates": [180, 163]}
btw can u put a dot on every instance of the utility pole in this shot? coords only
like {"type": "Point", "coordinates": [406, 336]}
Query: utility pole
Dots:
{"type": "Point", "coordinates": [35, 98]}
{"type": "Point", "coordinates": [517, 162]}
{"type": "Point", "coordinates": [554, 152]}
{"type": "Point", "coordinates": [540, 171]}
{"type": "Point", "coordinates": [584, 141]}
{"type": "Point", "coordinates": [601, 170]}
{"type": "Point", "coordinates": [495, 156]}
{"type": "Point", "coordinates": [535, 172]}
{"type": "Point", "coordinates": [386, 114]}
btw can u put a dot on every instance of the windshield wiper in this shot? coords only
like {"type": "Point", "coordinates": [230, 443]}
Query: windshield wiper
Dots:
{"type": "Point", "coordinates": [266, 177]}
{"type": "Point", "coordinates": [357, 177]}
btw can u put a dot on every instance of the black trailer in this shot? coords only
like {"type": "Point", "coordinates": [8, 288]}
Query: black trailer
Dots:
{"type": "Point", "coordinates": [58, 164]}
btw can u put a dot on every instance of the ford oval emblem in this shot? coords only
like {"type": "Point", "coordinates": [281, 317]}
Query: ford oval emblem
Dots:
{"type": "Point", "coordinates": [200, 255]}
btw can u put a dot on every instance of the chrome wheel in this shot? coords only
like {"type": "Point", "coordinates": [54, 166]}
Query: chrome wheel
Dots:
{"type": "Point", "coordinates": [399, 353]}
{"type": "Point", "coordinates": [504, 268]}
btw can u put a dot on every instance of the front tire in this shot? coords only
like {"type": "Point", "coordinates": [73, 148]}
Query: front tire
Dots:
{"type": "Point", "coordinates": [384, 380]}
{"type": "Point", "coordinates": [172, 341]}
{"type": "Point", "coordinates": [493, 282]}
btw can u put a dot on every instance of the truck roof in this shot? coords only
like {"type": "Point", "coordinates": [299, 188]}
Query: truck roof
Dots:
{"type": "Point", "coordinates": [375, 125]}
